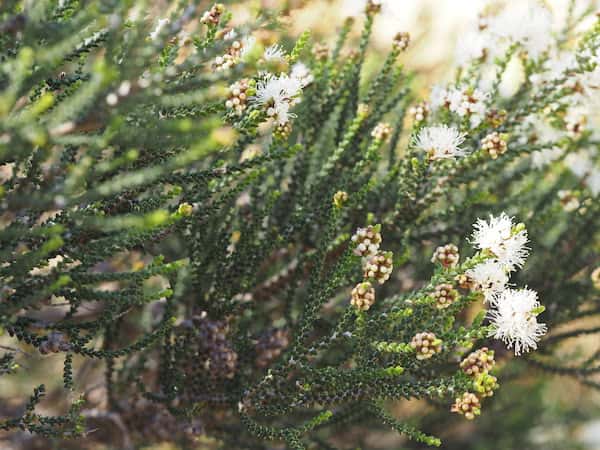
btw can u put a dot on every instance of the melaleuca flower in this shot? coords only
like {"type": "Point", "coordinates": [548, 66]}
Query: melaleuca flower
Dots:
{"type": "Point", "coordinates": [274, 53]}
{"type": "Point", "coordinates": [468, 102]}
{"type": "Point", "coordinates": [302, 73]}
{"type": "Point", "coordinates": [541, 158]}
{"type": "Point", "coordinates": [489, 277]}
{"type": "Point", "coordinates": [593, 181]}
{"type": "Point", "coordinates": [580, 163]}
{"type": "Point", "coordinates": [506, 243]}
{"type": "Point", "coordinates": [472, 46]}
{"type": "Point", "coordinates": [441, 142]}
{"type": "Point", "coordinates": [568, 200]}
{"type": "Point", "coordinates": [154, 34]}
{"type": "Point", "coordinates": [439, 97]}
{"type": "Point", "coordinates": [238, 95]}
{"type": "Point", "coordinates": [444, 295]}
{"type": "Point", "coordinates": [527, 23]}
{"type": "Point", "coordinates": [278, 95]}
{"type": "Point", "coordinates": [514, 319]}
{"type": "Point", "coordinates": [575, 121]}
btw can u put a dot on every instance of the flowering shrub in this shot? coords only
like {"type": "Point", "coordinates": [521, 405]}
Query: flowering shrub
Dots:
{"type": "Point", "coordinates": [259, 243]}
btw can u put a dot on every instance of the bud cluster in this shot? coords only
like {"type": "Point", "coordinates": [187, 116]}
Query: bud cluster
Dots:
{"type": "Point", "coordinates": [426, 345]}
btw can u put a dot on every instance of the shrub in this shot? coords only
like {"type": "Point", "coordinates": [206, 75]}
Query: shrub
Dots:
{"type": "Point", "coordinates": [264, 243]}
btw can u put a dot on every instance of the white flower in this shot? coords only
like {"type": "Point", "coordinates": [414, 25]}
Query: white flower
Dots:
{"type": "Point", "coordinates": [498, 237]}
{"type": "Point", "coordinates": [490, 278]}
{"type": "Point", "coordinates": [593, 181]}
{"type": "Point", "coordinates": [541, 158]}
{"type": "Point", "coordinates": [526, 22]}
{"type": "Point", "coordinates": [440, 142]}
{"type": "Point", "coordinates": [469, 102]}
{"type": "Point", "coordinates": [278, 94]}
{"type": "Point", "coordinates": [247, 45]}
{"type": "Point", "coordinates": [389, 8]}
{"type": "Point", "coordinates": [514, 320]}
{"type": "Point", "coordinates": [302, 73]}
{"type": "Point", "coordinates": [159, 26]}
{"type": "Point", "coordinates": [473, 45]}
{"type": "Point", "coordinates": [580, 163]}
{"type": "Point", "coordinates": [438, 97]}
{"type": "Point", "coordinates": [274, 53]}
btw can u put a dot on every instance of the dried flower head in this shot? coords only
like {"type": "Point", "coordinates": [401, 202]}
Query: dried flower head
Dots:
{"type": "Point", "coordinates": [320, 51]}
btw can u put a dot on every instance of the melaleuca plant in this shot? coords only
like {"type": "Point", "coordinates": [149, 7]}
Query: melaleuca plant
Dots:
{"type": "Point", "coordinates": [242, 244]}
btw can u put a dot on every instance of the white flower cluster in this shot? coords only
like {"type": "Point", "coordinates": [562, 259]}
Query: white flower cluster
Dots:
{"type": "Point", "coordinates": [278, 94]}
{"type": "Point", "coordinates": [527, 23]}
{"type": "Point", "coordinates": [461, 100]}
{"type": "Point", "coordinates": [440, 142]}
{"type": "Point", "coordinates": [513, 312]}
